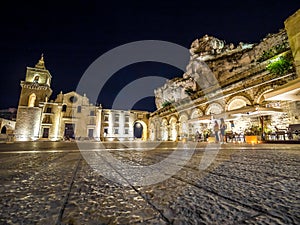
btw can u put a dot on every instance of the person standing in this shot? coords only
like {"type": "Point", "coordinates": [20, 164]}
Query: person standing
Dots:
{"type": "Point", "coordinates": [197, 136]}
{"type": "Point", "coordinates": [216, 130]}
{"type": "Point", "coordinates": [223, 127]}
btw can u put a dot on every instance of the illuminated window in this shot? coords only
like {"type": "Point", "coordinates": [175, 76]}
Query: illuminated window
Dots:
{"type": "Point", "coordinates": [92, 121]}
{"type": "Point", "coordinates": [126, 119]}
{"type": "Point", "coordinates": [48, 110]}
{"type": "Point", "coordinates": [106, 118]}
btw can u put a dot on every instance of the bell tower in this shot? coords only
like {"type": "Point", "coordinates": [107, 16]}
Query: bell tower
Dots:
{"type": "Point", "coordinates": [35, 90]}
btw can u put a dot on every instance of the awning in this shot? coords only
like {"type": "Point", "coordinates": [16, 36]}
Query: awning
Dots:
{"type": "Point", "coordinates": [201, 119]}
{"type": "Point", "coordinates": [246, 111]}
{"type": "Point", "coordinates": [254, 111]}
{"type": "Point", "coordinates": [287, 92]}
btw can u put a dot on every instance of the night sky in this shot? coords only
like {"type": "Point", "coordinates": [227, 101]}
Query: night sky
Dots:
{"type": "Point", "coordinates": [73, 34]}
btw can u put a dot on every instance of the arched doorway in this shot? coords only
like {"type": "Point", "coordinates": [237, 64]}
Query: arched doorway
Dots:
{"type": "Point", "coordinates": [183, 128]}
{"type": "Point", "coordinates": [140, 130]}
{"type": "Point", "coordinates": [196, 125]}
{"type": "Point", "coordinates": [3, 130]}
{"type": "Point", "coordinates": [238, 124]}
{"type": "Point", "coordinates": [164, 130]}
{"type": "Point", "coordinates": [152, 132]}
{"type": "Point", "coordinates": [173, 129]}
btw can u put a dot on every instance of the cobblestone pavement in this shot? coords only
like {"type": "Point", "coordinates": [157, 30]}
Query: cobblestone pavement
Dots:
{"type": "Point", "coordinates": [52, 183]}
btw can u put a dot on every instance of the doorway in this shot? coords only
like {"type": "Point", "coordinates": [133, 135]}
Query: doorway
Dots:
{"type": "Point", "coordinates": [69, 130]}
{"type": "Point", "coordinates": [45, 132]}
{"type": "Point", "coordinates": [138, 130]}
{"type": "Point", "coordinates": [91, 133]}
{"type": "Point", "coordinates": [3, 130]}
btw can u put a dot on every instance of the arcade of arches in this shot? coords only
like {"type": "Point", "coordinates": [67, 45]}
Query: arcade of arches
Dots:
{"type": "Point", "coordinates": [236, 113]}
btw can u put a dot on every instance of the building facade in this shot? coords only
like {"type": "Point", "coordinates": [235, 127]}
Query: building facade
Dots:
{"type": "Point", "coordinates": [253, 87]}
{"type": "Point", "coordinates": [230, 82]}
{"type": "Point", "coordinates": [70, 115]}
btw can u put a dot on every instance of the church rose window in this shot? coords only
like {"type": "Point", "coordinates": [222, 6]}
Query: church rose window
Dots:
{"type": "Point", "coordinates": [73, 99]}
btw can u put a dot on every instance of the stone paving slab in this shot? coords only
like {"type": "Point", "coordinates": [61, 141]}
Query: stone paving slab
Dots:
{"type": "Point", "coordinates": [34, 195]}
{"type": "Point", "coordinates": [51, 183]}
{"type": "Point", "coordinates": [95, 199]}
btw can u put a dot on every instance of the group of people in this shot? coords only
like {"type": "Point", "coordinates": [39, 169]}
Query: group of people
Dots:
{"type": "Point", "coordinates": [220, 131]}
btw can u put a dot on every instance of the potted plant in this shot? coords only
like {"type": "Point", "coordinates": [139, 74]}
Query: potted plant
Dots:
{"type": "Point", "coordinates": [208, 135]}
{"type": "Point", "coordinates": [253, 135]}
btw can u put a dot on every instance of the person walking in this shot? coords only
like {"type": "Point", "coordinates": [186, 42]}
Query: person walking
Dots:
{"type": "Point", "coordinates": [216, 130]}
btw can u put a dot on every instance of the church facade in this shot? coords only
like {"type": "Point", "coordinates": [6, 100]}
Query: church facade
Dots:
{"type": "Point", "coordinates": [69, 115]}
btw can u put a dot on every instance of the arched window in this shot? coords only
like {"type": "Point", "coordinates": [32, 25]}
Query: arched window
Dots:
{"type": "Point", "coordinates": [64, 108]}
{"type": "Point", "coordinates": [31, 100]}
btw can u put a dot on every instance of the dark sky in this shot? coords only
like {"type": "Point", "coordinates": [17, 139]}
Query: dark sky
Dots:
{"type": "Point", "coordinates": [73, 34]}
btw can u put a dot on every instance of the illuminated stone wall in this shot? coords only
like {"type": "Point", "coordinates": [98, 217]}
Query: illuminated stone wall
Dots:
{"type": "Point", "coordinates": [292, 26]}
{"type": "Point", "coordinates": [228, 76]}
{"type": "Point", "coordinates": [294, 112]}
{"type": "Point", "coordinates": [28, 123]}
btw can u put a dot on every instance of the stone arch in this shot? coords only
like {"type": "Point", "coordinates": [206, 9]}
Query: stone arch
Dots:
{"type": "Point", "coordinates": [152, 131]}
{"type": "Point", "coordinates": [172, 118]}
{"type": "Point", "coordinates": [183, 125]}
{"type": "Point", "coordinates": [183, 116]}
{"type": "Point", "coordinates": [31, 100]}
{"type": "Point", "coordinates": [173, 128]}
{"type": "Point", "coordinates": [6, 129]}
{"type": "Point", "coordinates": [237, 102]}
{"type": "Point", "coordinates": [214, 108]}
{"type": "Point", "coordinates": [145, 128]}
{"type": "Point", "coordinates": [164, 130]}
{"type": "Point", "coordinates": [258, 98]}
{"type": "Point", "coordinates": [3, 130]}
{"type": "Point", "coordinates": [196, 113]}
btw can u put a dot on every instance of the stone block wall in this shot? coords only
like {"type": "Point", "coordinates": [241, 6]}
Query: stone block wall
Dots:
{"type": "Point", "coordinates": [293, 31]}
{"type": "Point", "coordinates": [28, 123]}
